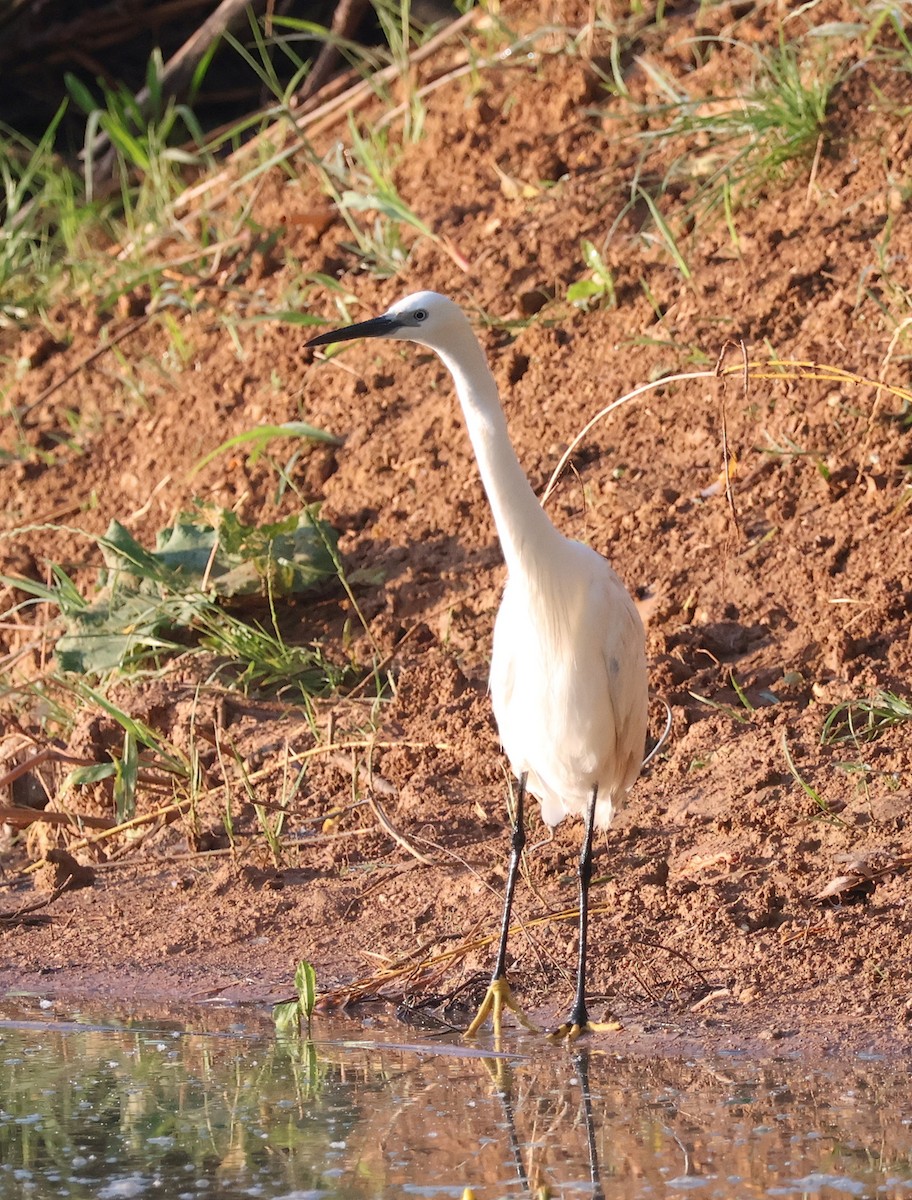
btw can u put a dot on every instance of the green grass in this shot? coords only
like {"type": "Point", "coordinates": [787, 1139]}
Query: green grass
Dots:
{"type": "Point", "coordinates": [145, 759]}
{"type": "Point", "coordinates": [809, 790]}
{"type": "Point", "coordinates": [200, 594]}
{"type": "Point", "coordinates": [360, 180]}
{"type": "Point", "coordinates": [61, 226]}
{"type": "Point", "coordinates": [666, 237]}
{"type": "Point", "coordinates": [59, 236]}
{"type": "Point", "coordinates": [865, 719]}
{"type": "Point", "coordinates": [885, 23]}
{"type": "Point", "coordinates": [729, 710]}
{"type": "Point", "coordinates": [753, 138]}
{"type": "Point", "coordinates": [100, 230]}
{"type": "Point", "coordinates": [146, 143]}
{"type": "Point", "coordinates": [47, 223]}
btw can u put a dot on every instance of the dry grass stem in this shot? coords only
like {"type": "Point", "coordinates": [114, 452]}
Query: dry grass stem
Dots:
{"type": "Point", "coordinates": [783, 370]}
{"type": "Point", "coordinates": [389, 828]}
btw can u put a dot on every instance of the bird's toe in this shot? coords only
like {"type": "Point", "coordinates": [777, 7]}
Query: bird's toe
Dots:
{"type": "Point", "coordinates": [571, 1030]}
{"type": "Point", "coordinates": [498, 997]}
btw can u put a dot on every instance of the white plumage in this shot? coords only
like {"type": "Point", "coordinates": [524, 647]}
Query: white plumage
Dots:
{"type": "Point", "coordinates": [568, 668]}
{"type": "Point", "coordinates": [568, 683]}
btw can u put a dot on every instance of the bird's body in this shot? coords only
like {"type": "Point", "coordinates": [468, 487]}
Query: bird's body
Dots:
{"type": "Point", "coordinates": [567, 683]}
{"type": "Point", "coordinates": [568, 668]}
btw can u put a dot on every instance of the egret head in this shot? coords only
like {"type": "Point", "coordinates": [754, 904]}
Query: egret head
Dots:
{"type": "Point", "coordinates": [425, 317]}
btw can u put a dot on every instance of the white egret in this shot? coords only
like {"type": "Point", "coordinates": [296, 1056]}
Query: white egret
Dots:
{"type": "Point", "coordinates": [568, 666]}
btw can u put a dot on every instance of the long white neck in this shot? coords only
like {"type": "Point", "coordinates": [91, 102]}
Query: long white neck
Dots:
{"type": "Point", "coordinates": [527, 537]}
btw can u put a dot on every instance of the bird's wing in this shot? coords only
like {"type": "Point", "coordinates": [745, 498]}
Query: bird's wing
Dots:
{"type": "Point", "coordinates": [568, 685]}
{"type": "Point", "coordinates": [502, 677]}
{"type": "Point", "coordinates": [624, 656]}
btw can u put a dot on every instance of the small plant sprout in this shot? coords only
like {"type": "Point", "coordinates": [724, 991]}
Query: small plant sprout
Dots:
{"type": "Point", "coordinates": [290, 1014]}
{"type": "Point", "coordinates": [125, 779]}
{"type": "Point", "coordinates": [361, 179]}
{"type": "Point", "coordinates": [599, 288]}
{"type": "Point", "coordinates": [730, 710]}
{"type": "Point", "coordinates": [741, 693]}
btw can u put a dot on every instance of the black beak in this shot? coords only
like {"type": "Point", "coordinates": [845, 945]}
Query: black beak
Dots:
{"type": "Point", "coordinates": [375, 327]}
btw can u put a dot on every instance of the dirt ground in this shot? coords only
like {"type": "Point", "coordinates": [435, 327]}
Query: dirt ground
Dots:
{"type": "Point", "coordinates": [735, 904]}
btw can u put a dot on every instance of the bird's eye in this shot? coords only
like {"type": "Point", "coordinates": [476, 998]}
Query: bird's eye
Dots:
{"type": "Point", "coordinates": [421, 314]}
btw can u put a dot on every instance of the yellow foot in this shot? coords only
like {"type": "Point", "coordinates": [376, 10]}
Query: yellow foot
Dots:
{"type": "Point", "coordinates": [571, 1030]}
{"type": "Point", "coordinates": [498, 997]}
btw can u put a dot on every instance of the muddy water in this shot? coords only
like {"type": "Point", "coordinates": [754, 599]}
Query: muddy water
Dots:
{"type": "Point", "coordinates": [214, 1105]}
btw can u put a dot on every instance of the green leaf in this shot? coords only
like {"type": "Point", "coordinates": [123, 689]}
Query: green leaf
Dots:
{"type": "Point", "coordinates": [122, 552]}
{"type": "Point", "coordinates": [80, 93]}
{"type": "Point", "coordinates": [154, 72]}
{"type": "Point", "coordinates": [367, 576]}
{"type": "Point", "coordinates": [128, 145]}
{"type": "Point", "coordinates": [284, 558]}
{"type": "Point", "coordinates": [594, 260]}
{"type": "Point", "coordinates": [125, 778]}
{"type": "Point", "coordinates": [148, 596]}
{"type": "Point", "coordinates": [82, 776]}
{"type": "Point", "coordinates": [186, 549]}
{"type": "Point", "coordinates": [346, 295]}
{"type": "Point", "coordinates": [388, 206]}
{"type": "Point", "coordinates": [232, 559]}
{"type": "Point", "coordinates": [667, 236]}
{"type": "Point", "coordinates": [116, 629]}
{"type": "Point", "coordinates": [583, 291]}
{"type": "Point", "coordinates": [306, 986]}
{"type": "Point", "coordinates": [289, 316]}
{"type": "Point", "coordinates": [64, 595]}
{"type": "Point", "coordinates": [287, 1016]}
{"type": "Point", "coordinates": [259, 437]}
{"type": "Point", "coordinates": [139, 730]}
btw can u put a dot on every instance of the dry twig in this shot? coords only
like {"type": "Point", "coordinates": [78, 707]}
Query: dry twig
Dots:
{"type": "Point", "coordinates": [19, 915]}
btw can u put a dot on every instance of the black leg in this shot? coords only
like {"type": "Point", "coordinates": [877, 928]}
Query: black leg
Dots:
{"type": "Point", "coordinates": [517, 844]}
{"type": "Point", "coordinates": [578, 1022]}
{"type": "Point", "coordinates": [501, 1074]}
{"type": "Point", "coordinates": [579, 1017]}
{"type": "Point", "coordinates": [499, 995]}
{"type": "Point", "coordinates": [582, 1067]}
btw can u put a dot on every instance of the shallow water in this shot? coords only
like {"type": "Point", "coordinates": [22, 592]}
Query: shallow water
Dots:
{"type": "Point", "coordinates": [211, 1105]}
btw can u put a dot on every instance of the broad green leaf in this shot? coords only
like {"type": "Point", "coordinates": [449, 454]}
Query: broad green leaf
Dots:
{"type": "Point", "coordinates": [186, 549]}
{"type": "Point", "coordinates": [116, 629]}
{"type": "Point", "coordinates": [152, 599]}
{"type": "Point", "coordinates": [287, 1016]}
{"type": "Point", "coordinates": [306, 987]}
{"type": "Point", "coordinates": [122, 552]}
